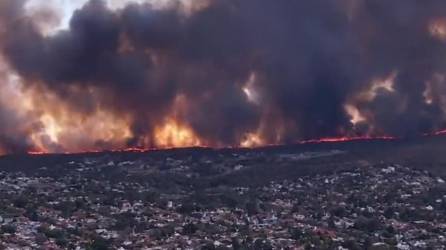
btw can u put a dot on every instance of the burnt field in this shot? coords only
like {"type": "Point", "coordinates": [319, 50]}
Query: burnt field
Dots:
{"type": "Point", "coordinates": [263, 164]}
{"type": "Point", "coordinates": [375, 194]}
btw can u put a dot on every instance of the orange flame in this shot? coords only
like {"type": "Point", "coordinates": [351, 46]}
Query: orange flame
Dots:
{"type": "Point", "coordinates": [347, 139]}
{"type": "Point", "coordinates": [252, 140]}
{"type": "Point", "coordinates": [174, 134]}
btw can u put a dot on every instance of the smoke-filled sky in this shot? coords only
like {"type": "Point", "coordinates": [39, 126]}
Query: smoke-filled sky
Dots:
{"type": "Point", "coordinates": [93, 75]}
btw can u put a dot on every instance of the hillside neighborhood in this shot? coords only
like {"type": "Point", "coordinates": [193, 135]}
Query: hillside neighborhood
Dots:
{"type": "Point", "coordinates": [105, 202]}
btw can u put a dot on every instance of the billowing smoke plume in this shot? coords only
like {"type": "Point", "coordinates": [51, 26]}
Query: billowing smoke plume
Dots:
{"type": "Point", "coordinates": [234, 72]}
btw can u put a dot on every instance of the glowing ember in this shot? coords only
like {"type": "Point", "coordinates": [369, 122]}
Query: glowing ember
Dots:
{"type": "Point", "coordinates": [347, 139]}
{"type": "Point", "coordinates": [37, 153]}
{"type": "Point", "coordinates": [440, 132]}
{"type": "Point", "coordinates": [251, 141]}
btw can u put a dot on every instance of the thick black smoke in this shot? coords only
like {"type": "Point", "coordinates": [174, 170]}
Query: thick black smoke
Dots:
{"type": "Point", "coordinates": [309, 58]}
{"type": "Point", "coordinates": [12, 138]}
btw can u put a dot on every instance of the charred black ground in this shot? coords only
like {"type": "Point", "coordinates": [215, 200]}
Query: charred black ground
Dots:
{"type": "Point", "coordinates": [420, 153]}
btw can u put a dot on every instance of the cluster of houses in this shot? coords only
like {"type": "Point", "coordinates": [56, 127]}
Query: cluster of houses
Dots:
{"type": "Point", "coordinates": [113, 204]}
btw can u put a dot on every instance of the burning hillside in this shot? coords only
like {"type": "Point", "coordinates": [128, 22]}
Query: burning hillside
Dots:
{"type": "Point", "coordinates": [178, 73]}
